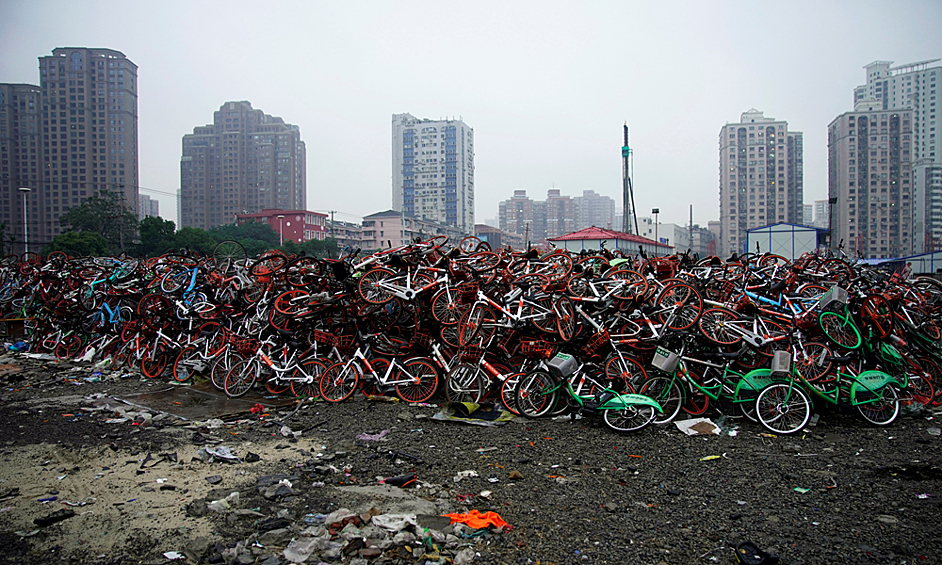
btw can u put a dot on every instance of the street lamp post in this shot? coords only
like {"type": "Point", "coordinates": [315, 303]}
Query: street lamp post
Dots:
{"type": "Point", "coordinates": [25, 190]}
{"type": "Point", "coordinates": [656, 211]}
{"type": "Point", "coordinates": [281, 228]}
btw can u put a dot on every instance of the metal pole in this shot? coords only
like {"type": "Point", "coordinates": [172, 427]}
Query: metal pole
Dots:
{"type": "Point", "coordinates": [656, 211]}
{"type": "Point", "coordinates": [281, 229]}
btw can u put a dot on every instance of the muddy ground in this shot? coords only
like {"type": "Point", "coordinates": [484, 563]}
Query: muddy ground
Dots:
{"type": "Point", "coordinates": [573, 491]}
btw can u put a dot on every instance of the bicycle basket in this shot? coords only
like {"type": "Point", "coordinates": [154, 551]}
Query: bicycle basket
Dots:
{"type": "Point", "coordinates": [597, 342]}
{"type": "Point", "coordinates": [536, 349]}
{"type": "Point", "coordinates": [782, 363]}
{"type": "Point", "coordinates": [470, 354]}
{"type": "Point", "coordinates": [322, 337]}
{"type": "Point", "coordinates": [467, 292]}
{"type": "Point", "coordinates": [247, 347]}
{"type": "Point", "coordinates": [836, 296]}
{"type": "Point", "coordinates": [421, 340]}
{"type": "Point", "coordinates": [562, 364]}
{"type": "Point", "coordinates": [344, 342]}
{"type": "Point", "coordinates": [665, 360]}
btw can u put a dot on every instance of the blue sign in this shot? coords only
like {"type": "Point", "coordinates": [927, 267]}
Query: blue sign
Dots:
{"type": "Point", "coordinates": [663, 240]}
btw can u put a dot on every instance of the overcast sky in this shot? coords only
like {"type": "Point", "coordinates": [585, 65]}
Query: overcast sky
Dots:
{"type": "Point", "coordinates": [546, 85]}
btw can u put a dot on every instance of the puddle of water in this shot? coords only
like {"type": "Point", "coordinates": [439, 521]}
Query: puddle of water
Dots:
{"type": "Point", "coordinates": [202, 401]}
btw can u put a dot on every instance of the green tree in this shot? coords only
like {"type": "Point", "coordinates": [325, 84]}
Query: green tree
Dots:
{"type": "Point", "coordinates": [85, 243]}
{"type": "Point", "coordinates": [105, 213]}
{"type": "Point", "coordinates": [194, 239]}
{"type": "Point", "coordinates": [157, 236]}
{"type": "Point", "coordinates": [249, 230]}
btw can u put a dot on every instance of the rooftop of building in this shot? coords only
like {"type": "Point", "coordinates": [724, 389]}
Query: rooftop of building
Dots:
{"type": "Point", "coordinates": [606, 234]}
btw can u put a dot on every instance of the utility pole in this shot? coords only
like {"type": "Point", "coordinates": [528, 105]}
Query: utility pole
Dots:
{"type": "Point", "coordinates": [629, 216]}
{"type": "Point", "coordinates": [332, 224]}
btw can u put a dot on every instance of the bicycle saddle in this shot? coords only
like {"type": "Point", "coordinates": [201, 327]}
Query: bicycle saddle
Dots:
{"type": "Point", "coordinates": [838, 358]}
{"type": "Point", "coordinates": [747, 553]}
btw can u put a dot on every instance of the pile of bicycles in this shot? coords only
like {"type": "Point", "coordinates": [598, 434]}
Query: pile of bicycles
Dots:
{"type": "Point", "coordinates": [632, 339]}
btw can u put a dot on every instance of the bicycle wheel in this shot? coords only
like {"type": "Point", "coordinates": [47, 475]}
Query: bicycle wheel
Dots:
{"type": "Point", "coordinates": [446, 308]}
{"type": "Point", "coordinates": [630, 418]}
{"type": "Point", "coordinates": [470, 325]}
{"type": "Point", "coordinates": [630, 284]}
{"type": "Point", "coordinates": [291, 302]}
{"type": "Point", "coordinates": [69, 346]}
{"type": "Point", "coordinates": [627, 371]}
{"type": "Point", "coordinates": [154, 362]}
{"type": "Point", "coordinates": [813, 364]}
{"type": "Point", "coordinates": [713, 326]}
{"type": "Point", "coordinates": [241, 377]}
{"type": "Point", "coordinates": [565, 319]}
{"type": "Point", "coordinates": [306, 379]}
{"type": "Point", "coordinates": [228, 253]}
{"type": "Point", "coordinates": [464, 383]}
{"type": "Point", "coordinates": [370, 288]}
{"type": "Point", "coordinates": [184, 366]}
{"type": "Point", "coordinates": [276, 385]}
{"type": "Point", "coordinates": [666, 392]}
{"type": "Point", "coordinates": [221, 366]}
{"type": "Point", "coordinates": [537, 394]}
{"type": "Point", "coordinates": [680, 306]}
{"type": "Point", "coordinates": [876, 313]}
{"type": "Point", "coordinates": [783, 408]}
{"type": "Point", "coordinates": [423, 380]}
{"type": "Point", "coordinates": [840, 329]}
{"type": "Point", "coordinates": [696, 402]}
{"type": "Point", "coordinates": [174, 281]}
{"type": "Point", "coordinates": [508, 393]}
{"type": "Point", "coordinates": [882, 411]}
{"type": "Point", "coordinates": [339, 381]}
{"type": "Point", "coordinates": [156, 311]}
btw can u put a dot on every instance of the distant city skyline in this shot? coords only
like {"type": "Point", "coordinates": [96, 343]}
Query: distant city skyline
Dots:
{"type": "Point", "coordinates": [546, 90]}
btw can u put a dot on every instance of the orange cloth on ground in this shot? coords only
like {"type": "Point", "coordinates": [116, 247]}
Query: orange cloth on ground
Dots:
{"type": "Point", "coordinates": [476, 520]}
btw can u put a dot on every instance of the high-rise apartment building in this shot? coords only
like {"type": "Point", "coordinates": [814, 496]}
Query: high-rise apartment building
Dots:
{"type": "Point", "coordinates": [593, 209]}
{"type": "Point", "coordinates": [869, 181]}
{"type": "Point", "coordinates": [87, 101]}
{"type": "Point", "coordinates": [556, 216]}
{"type": "Point", "coordinates": [244, 162]}
{"type": "Point", "coordinates": [433, 170]}
{"type": "Point", "coordinates": [820, 214]}
{"type": "Point", "coordinates": [761, 177]}
{"type": "Point", "coordinates": [147, 207]}
{"type": "Point", "coordinates": [21, 159]}
{"type": "Point", "coordinates": [914, 87]}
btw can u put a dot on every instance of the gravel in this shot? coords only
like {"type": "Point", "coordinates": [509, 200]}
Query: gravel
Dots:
{"type": "Point", "coordinates": [572, 490]}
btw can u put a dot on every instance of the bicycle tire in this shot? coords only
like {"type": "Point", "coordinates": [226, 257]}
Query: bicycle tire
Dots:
{"type": "Point", "coordinates": [369, 288]}
{"type": "Point", "coordinates": [783, 409]}
{"type": "Point", "coordinates": [630, 418]}
{"type": "Point", "coordinates": [156, 311]}
{"type": "Point", "coordinates": [667, 393]}
{"type": "Point", "coordinates": [635, 288]}
{"type": "Point", "coordinates": [183, 364]}
{"type": "Point", "coordinates": [712, 325]}
{"type": "Point", "coordinates": [289, 302]}
{"type": "Point", "coordinates": [69, 346]}
{"type": "Point", "coordinates": [470, 325]}
{"type": "Point", "coordinates": [877, 314]}
{"type": "Point", "coordinates": [464, 383]}
{"type": "Point", "coordinates": [153, 363]}
{"type": "Point", "coordinates": [626, 370]}
{"type": "Point", "coordinates": [884, 410]}
{"type": "Point", "coordinates": [840, 329]}
{"type": "Point", "coordinates": [424, 383]}
{"type": "Point", "coordinates": [339, 381]}
{"type": "Point", "coordinates": [275, 385]}
{"type": "Point", "coordinates": [174, 281]}
{"type": "Point", "coordinates": [221, 366]}
{"type": "Point", "coordinates": [268, 264]}
{"type": "Point", "coordinates": [241, 377]}
{"type": "Point", "coordinates": [228, 253]}
{"type": "Point", "coordinates": [302, 388]}
{"type": "Point", "coordinates": [813, 363]}
{"type": "Point", "coordinates": [695, 402]}
{"type": "Point", "coordinates": [685, 303]}
{"type": "Point", "coordinates": [445, 307]}
{"type": "Point", "coordinates": [508, 393]}
{"type": "Point", "coordinates": [565, 319]}
{"type": "Point", "coordinates": [537, 393]}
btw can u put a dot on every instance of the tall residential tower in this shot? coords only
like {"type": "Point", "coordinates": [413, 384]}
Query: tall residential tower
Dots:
{"type": "Point", "coordinates": [87, 101]}
{"type": "Point", "coordinates": [244, 162]}
{"type": "Point", "coordinates": [761, 177]}
{"type": "Point", "coordinates": [433, 170]}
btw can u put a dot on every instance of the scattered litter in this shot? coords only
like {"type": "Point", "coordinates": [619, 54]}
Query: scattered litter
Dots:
{"type": "Point", "coordinates": [116, 421]}
{"type": "Point", "coordinates": [381, 398]}
{"type": "Point", "coordinates": [373, 437]}
{"type": "Point", "coordinates": [801, 490]}
{"type": "Point", "coordinates": [288, 432]}
{"type": "Point", "coordinates": [475, 519]}
{"type": "Point", "coordinates": [174, 555]}
{"type": "Point", "coordinates": [29, 534]}
{"type": "Point", "coordinates": [464, 475]}
{"type": "Point", "coordinates": [57, 516]}
{"type": "Point", "coordinates": [485, 449]}
{"type": "Point", "coordinates": [300, 549]}
{"type": "Point", "coordinates": [394, 522]}
{"type": "Point", "coordinates": [402, 481]}
{"type": "Point", "coordinates": [709, 458]}
{"type": "Point", "coordinates": [472, 413]}
{"type": "Point", "coordinates": [921, 496]}
{"type": "Point", "coordinates": [210, 454]}
{"type": "Point", "coordinates": [223, 504]}
{"type": "Point", "coordinates": [49, 499]}
{"type": "Point", "coordinates": [698, 427]}
{"type": "Point", "coordinates": [934, 431]}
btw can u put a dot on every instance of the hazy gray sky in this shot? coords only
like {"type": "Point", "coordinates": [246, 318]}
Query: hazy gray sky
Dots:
{"type": "Point", "coordinates": [546, 85]}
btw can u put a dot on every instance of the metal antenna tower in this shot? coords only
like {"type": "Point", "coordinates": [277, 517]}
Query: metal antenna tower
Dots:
{"type": "Point", "coordinates": [629, 215]}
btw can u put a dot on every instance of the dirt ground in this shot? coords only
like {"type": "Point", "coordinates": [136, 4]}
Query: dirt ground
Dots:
{"type": "Point", "coordinates": [573, 491]}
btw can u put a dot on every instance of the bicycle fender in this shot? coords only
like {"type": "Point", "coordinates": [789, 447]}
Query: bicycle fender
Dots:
{"type": "Point", "coordinates": [622, 400]}
{"type": "Point", "coordinates": [755, 381]}
{"type": "Point", "coordinates": [871, 381]}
